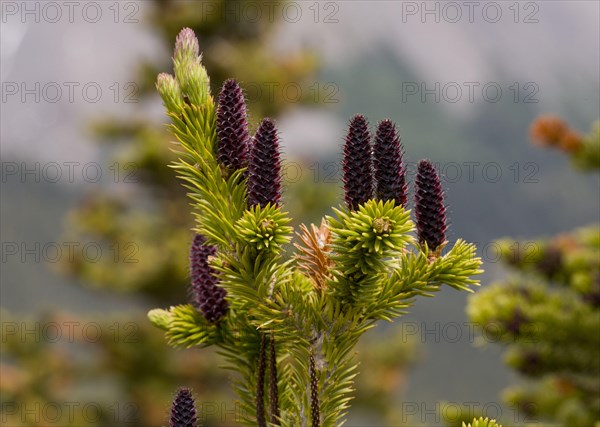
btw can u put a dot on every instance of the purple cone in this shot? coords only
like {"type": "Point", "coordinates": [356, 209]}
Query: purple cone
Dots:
{"type": "Point", "coordinates": [207, 296]}
{"type": "Point", "coordinates": [389, 169]}
{"type": "Point", "coordinates": [429, 206]}
{"type": "Point", "coordinates": [232, 126]}
{"type": "Point", "coordinates": [183, 411]}
{"type": "Point", "coordinates": [264, 166]}
{"type": "Point", "coordinates": [357, 164]}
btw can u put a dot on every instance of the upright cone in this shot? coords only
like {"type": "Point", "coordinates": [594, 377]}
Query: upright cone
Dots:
{"type": "Point", "coordinates": [390, 175]}
{"type": "Point", "coordinates": [232, 126]}
{"type": "Point", "coordinates": [429, 206]}
{"type": "Point", "coordinates": [357, 165]}
{"type": "Point", "coordinates": [264, 166]}
{"type": "Point", "coordinates": [183, 411]}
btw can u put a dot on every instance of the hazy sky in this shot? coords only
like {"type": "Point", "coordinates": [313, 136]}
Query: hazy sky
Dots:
{"type": "Point", "coordinates": [555, 44]}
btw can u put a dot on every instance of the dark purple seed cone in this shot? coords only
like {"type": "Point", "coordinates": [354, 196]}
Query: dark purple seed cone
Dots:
{"type": "Point", "coordinates": [207, 296]}
{"type": "Point", "coordinates": [429, 206]}
{"type": "Point", "coordinates": [389, 169]}
{"type": "Point", "coordinates": [264, 166]}
{"type": "Point", "coordinates": [183, 411]}
{"type": "Point", "coordinates": [357, 165]}
{"type": "Point", "coordinates": [232, 126]}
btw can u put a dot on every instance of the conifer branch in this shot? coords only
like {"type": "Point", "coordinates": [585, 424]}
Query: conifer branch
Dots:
{"type": "Point", "coordinates": [359, 266]}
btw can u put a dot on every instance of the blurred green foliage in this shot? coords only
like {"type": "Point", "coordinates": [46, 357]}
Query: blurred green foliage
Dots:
{"type": "Point", "coordinates": [60, 369]}
{"type": "Point", "coordinates": [547, 314]}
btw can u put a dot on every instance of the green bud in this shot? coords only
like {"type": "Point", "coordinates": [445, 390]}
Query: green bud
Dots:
{"type": "Point", "coordinates": [383, 226]}
{"type": "Point", "coordinates": [187, 48]}
{"type": "Point", "coordinates": [189, 71]}
{"type": "Point", "coordinates": [170, 92]}
{"type": "Point", "coordinates": [265, 228]}
{"type": "Point", "coordinates": [160, 318]}
{"type": "Point", "coordinates": [195, 83]}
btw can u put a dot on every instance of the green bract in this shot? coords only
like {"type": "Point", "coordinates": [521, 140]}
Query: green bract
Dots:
{"type": "Point", "coordinates": [264, 228]}
{"type": "Point", "coordinates": [377, 230]}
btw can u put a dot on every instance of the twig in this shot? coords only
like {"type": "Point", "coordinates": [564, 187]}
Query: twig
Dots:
{"type": "Point", "coordinates": [260, 383]}
{"type": "Point", "coordinates": [314, 393]}
{"type": "Point", "coordinates": [273, 390]}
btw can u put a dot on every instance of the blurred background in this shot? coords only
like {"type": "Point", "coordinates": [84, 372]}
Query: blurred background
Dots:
{"type": "Point", "coordinates": [95, 229]}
